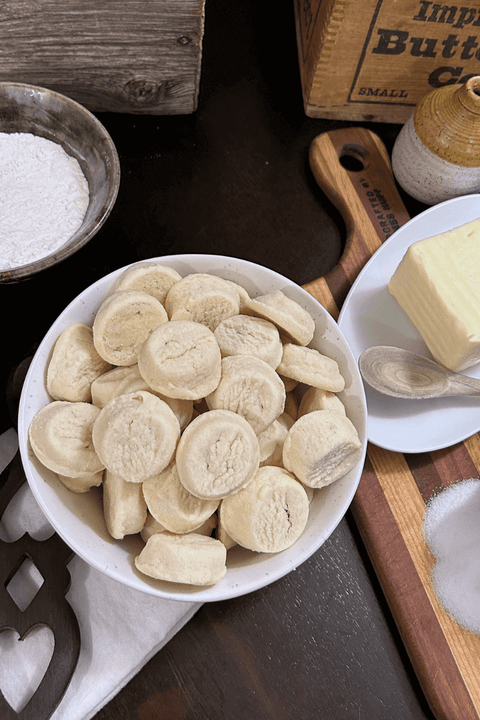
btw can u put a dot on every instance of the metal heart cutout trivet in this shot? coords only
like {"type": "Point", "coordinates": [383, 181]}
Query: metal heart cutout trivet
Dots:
{"type": "Point", "coordinates": [23, 664]}
{"type": "Point", "coordinates": [49, 607]}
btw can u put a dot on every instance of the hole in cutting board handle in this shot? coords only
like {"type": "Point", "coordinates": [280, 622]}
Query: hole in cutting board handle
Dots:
{"type": "Point", "coordinates": [353, 158]}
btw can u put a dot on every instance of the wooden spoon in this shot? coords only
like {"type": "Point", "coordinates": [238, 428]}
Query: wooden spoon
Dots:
{"type": "Point", "coordinates": [404, 374]}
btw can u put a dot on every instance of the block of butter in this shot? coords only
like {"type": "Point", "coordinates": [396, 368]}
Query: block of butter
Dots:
{"type": "Point", "coordinates": [437, 284]}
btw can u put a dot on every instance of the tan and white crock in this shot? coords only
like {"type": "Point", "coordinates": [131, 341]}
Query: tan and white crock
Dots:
{"type": "Point", "coordinates": [436, 155]}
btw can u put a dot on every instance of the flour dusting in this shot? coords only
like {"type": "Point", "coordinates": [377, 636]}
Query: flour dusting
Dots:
{"type": "Point", "coordinates": [43, 198]}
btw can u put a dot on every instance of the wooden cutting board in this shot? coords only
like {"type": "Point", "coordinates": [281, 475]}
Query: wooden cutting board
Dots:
{"type": "Point", "coordinates": [390, 501]}
{"type": "Point", "coordinates": [141, 57]}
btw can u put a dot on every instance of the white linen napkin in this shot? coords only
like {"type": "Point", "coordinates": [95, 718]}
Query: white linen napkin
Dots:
{"type": "Point", "coordinates": [120, 631]}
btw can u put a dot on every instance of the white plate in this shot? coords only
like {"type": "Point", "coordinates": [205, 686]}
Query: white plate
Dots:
{"type": "Point", "coordinates": [371, 316]}
{"type": "Point", "coordinates": [78, 518]}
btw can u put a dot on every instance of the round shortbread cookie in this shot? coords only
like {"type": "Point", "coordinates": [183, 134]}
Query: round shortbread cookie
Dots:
{"type": "Point", "coordinates": [172, 505]}
{"type": "Point", "coordinates": [136, 435]}
{"type": "Point", "coordinates": [149, 277]}
{"type": "Point", "coordinates": [309, 366]}
{"type": "Point", "coordinates": [74, 365]}
{"type": "Point", "coordinates": [292, 319]}
{"type": "Point", "coordinates": [181, 359]}
{"type": "Point", "coordinates": [290, 383]}
{"type": "Point", "coordinates": [152, 527]}
{"type": "Point", "coordinates": [291, 405]}
{"type": "Point", "coordinates": [271, 440]}
{"type": "Point", "coordinates": [248, 335]}
{"type": "Point", "coordinates": [243, 296]}
{"type": "Point", "coordinates": [124, 506]}
{"type": "Point", "coordinates": [183, 409]}
{"type": "Point", "coordinates": [321, 447]}
{"type": "Point", "coordinates": [250, 387]}
{"type": "Point", "coordinates": [122, 324]}
{"type": "Point", "coordinates": [103, 387]}
{"type": "Point", "coordinates": [217, 455]}
{"type": "Point", "coordinates": [83, 484]}
{"type": "Point", "coordinates": [222, 535]}
{"type": "Point", "coordinates": [202, 298]}
{"type": "Point", "coordinates": [270, 514]}
{"type": "Point", "coordinates": [318, 399]}
{"type": "Point", "coordinates": [61, 437]}
{"type": "Point", "coordinates": [191, 559]}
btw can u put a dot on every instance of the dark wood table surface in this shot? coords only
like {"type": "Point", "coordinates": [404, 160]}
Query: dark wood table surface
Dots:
{"type": "Point", "coordinates": [234, 179]}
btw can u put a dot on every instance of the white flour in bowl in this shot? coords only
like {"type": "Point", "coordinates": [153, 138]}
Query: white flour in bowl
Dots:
{"type": "Point", "coordinates": [43, 198]}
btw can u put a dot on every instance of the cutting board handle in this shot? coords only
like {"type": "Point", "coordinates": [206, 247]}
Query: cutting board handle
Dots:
{"type": "Point", "coordinates": [352, 167]}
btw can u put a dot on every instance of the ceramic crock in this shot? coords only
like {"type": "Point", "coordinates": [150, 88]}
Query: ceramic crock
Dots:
{"type": "Point", "coordinates": [436, 155]}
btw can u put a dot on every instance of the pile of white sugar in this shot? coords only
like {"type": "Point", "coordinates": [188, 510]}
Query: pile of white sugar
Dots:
{"type": "Point", "coordinates": [452, 531]}
{"type": "Point", "coordinates": [43, 198]}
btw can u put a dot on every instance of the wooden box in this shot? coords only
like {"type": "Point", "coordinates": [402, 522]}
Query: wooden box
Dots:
{"type": "Point", "coordinates": [373, 60]}
{"type": "Point", "coordinates": [112, 55]}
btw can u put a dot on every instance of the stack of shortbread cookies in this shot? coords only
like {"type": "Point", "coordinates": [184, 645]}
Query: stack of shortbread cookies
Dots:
{"type": "Point", "coordinates": [202, 413]}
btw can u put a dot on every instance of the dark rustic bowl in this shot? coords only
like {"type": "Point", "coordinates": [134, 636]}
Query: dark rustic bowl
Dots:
{"type": "Point", "coordinates": [37, 110]}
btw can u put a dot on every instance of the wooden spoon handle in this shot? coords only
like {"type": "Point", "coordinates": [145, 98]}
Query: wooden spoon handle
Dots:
{"type": "Point", "coordinates": [465, 385]}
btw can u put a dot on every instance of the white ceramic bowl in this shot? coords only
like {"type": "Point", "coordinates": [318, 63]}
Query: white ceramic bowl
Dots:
{"type": "Point", "coordinates": [78, 518]}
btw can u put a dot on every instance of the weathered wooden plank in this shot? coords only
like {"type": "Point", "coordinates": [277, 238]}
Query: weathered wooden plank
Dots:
{"type": "Point", "coordinates": [142, 56]}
